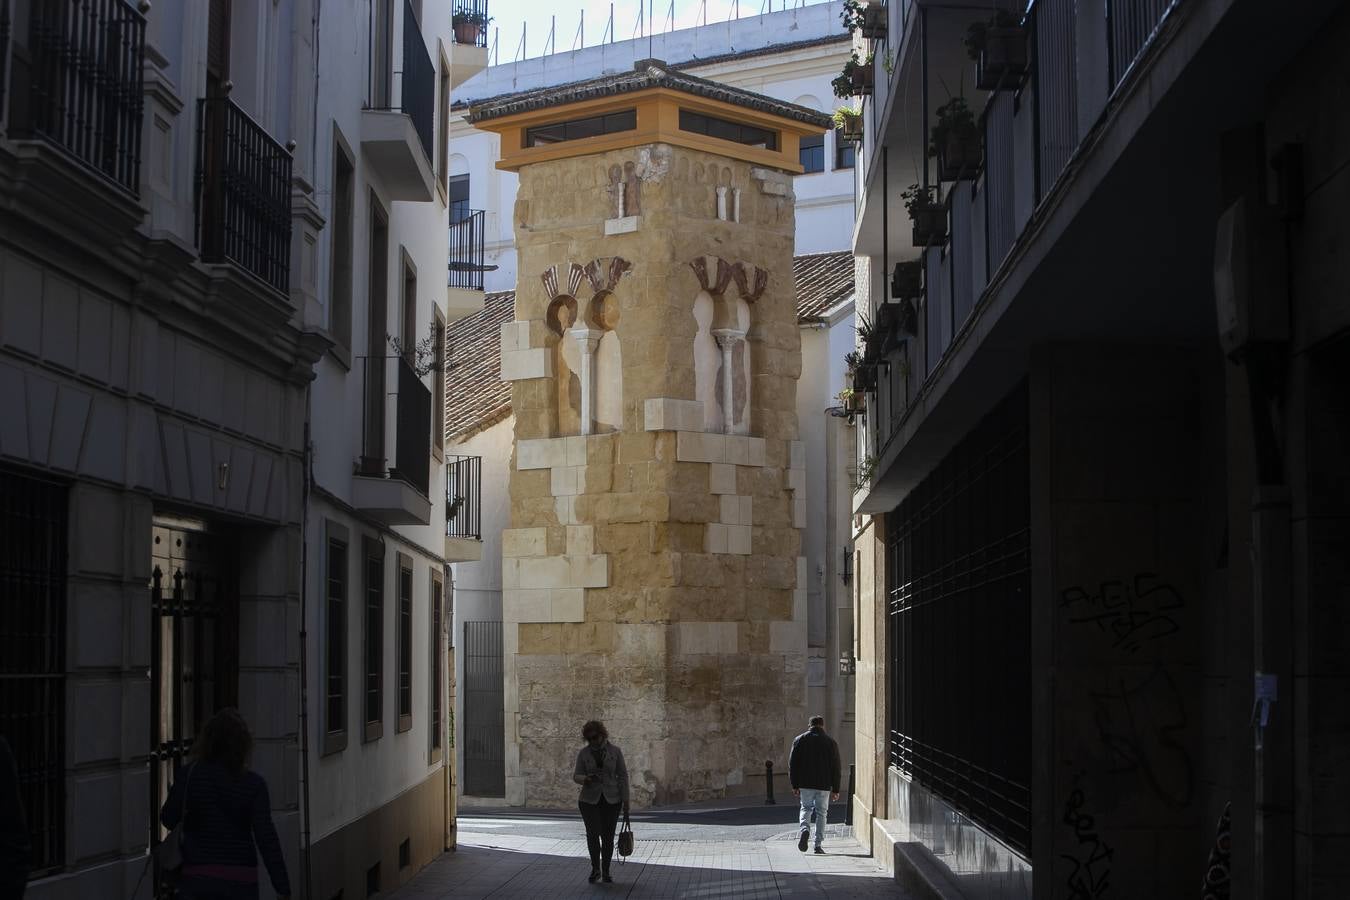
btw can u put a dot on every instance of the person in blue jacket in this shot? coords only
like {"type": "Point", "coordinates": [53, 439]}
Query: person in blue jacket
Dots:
{"type": "Point", "coordinates": [227, 817]}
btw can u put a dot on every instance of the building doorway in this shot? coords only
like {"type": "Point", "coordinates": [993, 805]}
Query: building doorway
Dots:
{"type": "Point", "coordinates": [484, 735]}
{"type": "Point", "coordinates": [194, 646]}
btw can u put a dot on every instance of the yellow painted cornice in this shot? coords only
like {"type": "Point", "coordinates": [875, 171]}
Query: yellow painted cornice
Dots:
{"type": "Point", "coordinates": [658, 121]}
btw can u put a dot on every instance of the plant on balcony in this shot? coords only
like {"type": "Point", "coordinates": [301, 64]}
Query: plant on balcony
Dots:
{"type": "Point", "coordinates": [468, 24]}
{"type": "Point", "coordinates": [955, 140]}
{"type": "Point", "coordinates": [928, 216]}
{"type": "Point", "coordinates": [422, 356]}
{"type": "Point", "coordinates": [852, 400]}
{"type": "Point", "coordinates": [907, 280]}
{"type": "Point", "coordinates": [848, 120]}
{"type": "Point", "coordinates": [855, 80]}
{"type": "Point", "coordinates": [868, 19]}
{"type": "Point", "coordinates": [867, 467]}
{"type": "Point", "coordinates": [870, 337]}
{"type": "Point", "coordinates": [999, 48]}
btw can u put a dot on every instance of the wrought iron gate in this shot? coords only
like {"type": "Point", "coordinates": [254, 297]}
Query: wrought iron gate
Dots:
{"type": "Point", "coordinates": [194, 647]}
{"type": "Point", "coordinates": [484, 735]}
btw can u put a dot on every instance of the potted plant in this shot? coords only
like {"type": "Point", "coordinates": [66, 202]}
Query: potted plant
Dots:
{"type": "Point", "coordinates": [955, 140]}
{"type": "Point", "coordinates": [468, 24]}
{"type": "Point", "coordinates": [852, 400]}
{"type": "Point", "coordinates": [999, 48]}
{"type": "Point", "coordinates": [869, 19]}
{"type": "Point", "coordinates": [870, 337]}
{"type": "Point", "coordinates": [928, 216]}
{"type": "Point", "coordinates": [855, 80]}
{"type": "Point", "coordinates": [849, 123]}
{"type": "Point", "coordinates": [907, 280]}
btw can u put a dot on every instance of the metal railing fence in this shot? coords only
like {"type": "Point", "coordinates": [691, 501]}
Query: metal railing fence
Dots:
{"type": "Point", "coordinates": [464, 497]}
{"type": "Point", "coordinates": [467, 241]}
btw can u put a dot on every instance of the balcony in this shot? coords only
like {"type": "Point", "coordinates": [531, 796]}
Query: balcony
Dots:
{"type": "Point", "coordinates": [464, 295]}
{"type": "Point", "coordinates": [397, 494]}
{"type": "Point", "coordinates": [463, 508]}
{"type": "Point", "coordinates": [243, 197]}
{"type": "Point", "coordinates": [396, 126]}
{"type": "Point", "coordinates": [71, 86]}
{"type": "Point", "coordinates": [469, 56]}
{"type": "Point", "coordinates": [1034, 134]}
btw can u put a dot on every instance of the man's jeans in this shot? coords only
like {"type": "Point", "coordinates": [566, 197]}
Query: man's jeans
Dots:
{"type": "Point", "coordinates": [813, 799]}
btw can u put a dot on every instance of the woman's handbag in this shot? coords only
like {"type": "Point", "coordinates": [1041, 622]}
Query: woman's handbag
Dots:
{"type": "Point", "coordinates": [169, 852]}
{"type": "Point", "coordinates": [626, 837]}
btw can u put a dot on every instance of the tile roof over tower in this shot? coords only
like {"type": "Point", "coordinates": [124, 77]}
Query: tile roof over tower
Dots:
{"type": "Point", "coordinates": [646, 74]}
{"type": "Point", "coordinates": [477, 398]}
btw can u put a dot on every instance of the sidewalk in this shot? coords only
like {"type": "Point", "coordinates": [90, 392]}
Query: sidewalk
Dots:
{"type": "Point", "coordinates": [703, 851]}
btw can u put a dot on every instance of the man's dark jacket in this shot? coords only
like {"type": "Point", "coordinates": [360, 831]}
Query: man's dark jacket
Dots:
{"type": "Point", "coordinates": [814, 762]}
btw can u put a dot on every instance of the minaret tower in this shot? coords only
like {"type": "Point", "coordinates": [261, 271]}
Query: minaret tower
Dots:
{"type": "Point", "coordinates": [651, 575]}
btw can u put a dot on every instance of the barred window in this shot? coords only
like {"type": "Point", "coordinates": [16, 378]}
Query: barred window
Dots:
{"type": "Point", "coordinates": [374, 655]}
{"type": "Point", "coordinates": [33, 528]}
{"type": "Point", "coordinates": [405, 613]}
{"type": "Point", "coordinates": [335, 641]}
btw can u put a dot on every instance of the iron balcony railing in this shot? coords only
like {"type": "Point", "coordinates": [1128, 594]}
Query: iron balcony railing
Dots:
{"type": "Point", "coordinates": [408, 408]}
{"type": "Point", "coordinates": [243, 196]}
{"type": "Point", "coordinates": [77, 83]}
{"type": "Point", "coordinates": [415, 96]}
{"type": "Point", "coordinates": [464, 497]}
{"type": "Point", "coordinates": [469, 21]}
{"type": "Point", "coordinates": [1029, 138]}
{"type": "Point", "coordinates": [466, 251]}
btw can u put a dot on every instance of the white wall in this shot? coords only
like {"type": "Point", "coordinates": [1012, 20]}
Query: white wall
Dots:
{"type": "Point", "coordinates": [349, 784]}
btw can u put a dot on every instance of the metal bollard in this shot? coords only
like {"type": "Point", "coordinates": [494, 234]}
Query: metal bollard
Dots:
{"type": "Point", "coordinates": [848, 799]}
{"type": "Point", "coordinates": [768, 783]}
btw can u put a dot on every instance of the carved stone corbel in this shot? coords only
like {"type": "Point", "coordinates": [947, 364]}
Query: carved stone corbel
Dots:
{"type": "Point", "coordinates": [604, 273]}
{"type": "Point", "coordinates": [751, 281]}
{"type": "Point", "coordinates": [550, 280]}
{"type": "Point", "coordinates": [704, 266]}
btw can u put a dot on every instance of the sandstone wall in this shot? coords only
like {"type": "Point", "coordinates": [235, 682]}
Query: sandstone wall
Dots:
{"type": "Point", "coordinates": [651, 576]}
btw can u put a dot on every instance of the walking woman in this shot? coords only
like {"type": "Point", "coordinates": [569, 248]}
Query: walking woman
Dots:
{"type": "Point", "coordinates": [226, 813]}
{"type": "Point", "coordinates": [603, 777]}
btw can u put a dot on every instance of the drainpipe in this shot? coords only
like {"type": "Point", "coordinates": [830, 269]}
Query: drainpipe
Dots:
{"type": "Point", "coordinates": [305, 831]}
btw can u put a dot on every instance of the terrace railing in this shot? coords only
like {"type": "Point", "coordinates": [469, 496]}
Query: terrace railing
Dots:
{"type": "Point", "coordinates": [412, 89]}
{"type": "Point", "coordinates": [464, 497]}
{"type": "Point", "coordinates": [467, 238]}
{"type": "Point", "coordinates": [243, 193]}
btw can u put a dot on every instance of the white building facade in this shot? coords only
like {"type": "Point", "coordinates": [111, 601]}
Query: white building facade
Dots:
{"type": "Point", "coordinates": [204, 500]}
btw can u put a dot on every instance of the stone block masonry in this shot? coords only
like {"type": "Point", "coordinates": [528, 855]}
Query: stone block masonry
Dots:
{"type": "Point", "coordinates": [652, 574]}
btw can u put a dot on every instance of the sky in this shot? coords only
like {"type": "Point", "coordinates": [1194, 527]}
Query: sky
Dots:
{"type": "Point", "coordinates": [508, 17]}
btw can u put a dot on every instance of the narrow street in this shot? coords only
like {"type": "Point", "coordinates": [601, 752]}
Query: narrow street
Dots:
{"type": "Point", "coordinates": [702, 850]}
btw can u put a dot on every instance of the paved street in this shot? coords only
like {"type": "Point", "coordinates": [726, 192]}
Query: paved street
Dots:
{"type": "Point", "coordinates": [704, 851]}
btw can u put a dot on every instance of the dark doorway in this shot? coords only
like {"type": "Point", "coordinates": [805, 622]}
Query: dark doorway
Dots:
{"type": "Point", "coordinates": [194, 646]}
{"type": "Point", "coordinates": [484, 736]}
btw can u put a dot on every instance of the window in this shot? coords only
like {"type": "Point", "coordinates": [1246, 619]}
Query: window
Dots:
{"type": "Point", "coordinates": [844, 152]}
{"type": "Point", "coordinates": [374, 669]}
{"type": "Point", "coordinates": [438, 386]}
{"type": "Point", "coordinates": [576, 129]}
{"type": "Point", "coordinates": [335, 641]}
{"type": "Point", "coordinates": [726, 130]}
{"type": "Point", "coordinates": [443, 120]}
{"type": "Point", "coordinates": [34, 524]}
{"type": "Point", "coordinates": [437, 662]}
{"type": "Point", "coordinates": [458, 193]}
{"type": "Point", "coordinates": [408, 320]}
{"type": "Point", "coordinates": [405, 614]}
{"type": "Point", "coordinates": [812, 154]}
{"type": "Point", "coordinates": [340, 265]}
{"type": "Point", "coordinates": [377, 329]}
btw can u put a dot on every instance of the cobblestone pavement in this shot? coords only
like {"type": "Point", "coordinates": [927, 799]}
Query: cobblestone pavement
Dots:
{"type": "Point", "coordinates": [693, 851]}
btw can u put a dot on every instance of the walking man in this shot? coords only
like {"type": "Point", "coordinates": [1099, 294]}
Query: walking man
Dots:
{"type": "Point", "coordinates": [813, 769]}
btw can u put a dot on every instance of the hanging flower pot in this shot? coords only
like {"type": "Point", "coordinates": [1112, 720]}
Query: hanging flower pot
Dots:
{"type": "Point", "coordinates": [960, 156]}
{"type": "Point", "coordinates": [907, 279]}
{"type": "Point", "coordinates": [862, 78]}
{"type": "Point", "coordinates": [1003, 59]}
{"type": "Point", "coordinates": [873, 25]}
{"type": "Point", "coordinates": [955, 141]}
{"type": "Point", "coordinates": [928, 216]}
{"type": "Point", "coordinates": [851, 127]}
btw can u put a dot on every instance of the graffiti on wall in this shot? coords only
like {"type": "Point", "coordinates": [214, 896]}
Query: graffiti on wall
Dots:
{"type": "Point", "coordinates": [1142, 722]}
{"type": "Point", "coordinates": [1089, 874]}
{"type": "Point", "coordinates": [1132, 613]}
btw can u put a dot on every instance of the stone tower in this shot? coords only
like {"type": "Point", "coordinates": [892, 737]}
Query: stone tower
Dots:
{"type": "Point", "coordinates": [651, 575]}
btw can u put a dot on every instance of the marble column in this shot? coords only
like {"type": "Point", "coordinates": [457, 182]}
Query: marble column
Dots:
{"type": "Point", "coordinates": [587, 340]}
{"type": "Point", "coordinates": [727, 340]}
